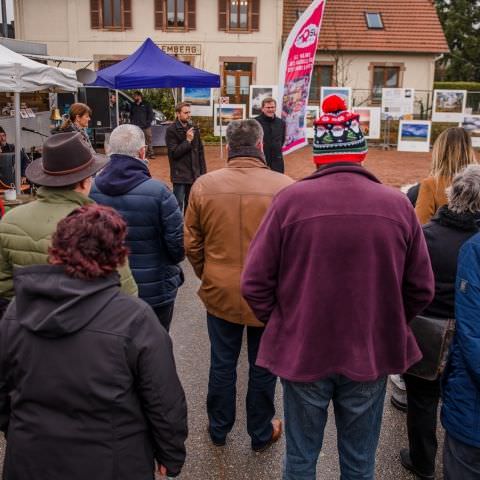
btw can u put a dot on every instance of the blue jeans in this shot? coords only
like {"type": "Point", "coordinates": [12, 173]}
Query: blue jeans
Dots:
{"type": "Point", "coordinates": [226, 343]}
{"type": "Point", "coordinates": [358, 408]}
{"type": "Point", "coordinates": [182, 193]}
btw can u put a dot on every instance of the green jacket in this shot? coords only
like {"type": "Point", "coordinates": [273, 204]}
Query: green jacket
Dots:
{"type": "Point", "coordinates": [26, 231]}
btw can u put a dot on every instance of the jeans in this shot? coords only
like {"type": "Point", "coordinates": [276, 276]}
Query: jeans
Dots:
{"type": "Point", "coordinates": [358, 408]}
{"type": "Point", "coordinates": [164, 314]}
{"type": "Point", "coordinates": [182, 192]}
{"type": "Point", "coordinates": [460, 461]}
{"type": "Point", "coordinates": [226, 343]}
{"type": "Point", "coordinates": [422, 399]}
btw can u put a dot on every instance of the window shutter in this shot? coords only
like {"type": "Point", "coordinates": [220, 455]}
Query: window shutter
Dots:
{"type": "Point", "coordinates": [127, 13]}
{"type": "Point", "coordinates": [255, 16]}
{"type": "Point", "coordinates": [95, 13]}
{"type": "Point", "coordinates": [192, 20]}
{"type": "Point", "coordinates": [222, 15]}
{"type": "Point", "coordinates": [159, 4]}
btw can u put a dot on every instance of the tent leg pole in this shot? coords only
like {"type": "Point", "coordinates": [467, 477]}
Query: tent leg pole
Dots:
{"type": "Point", "coordinates": [117, 107]}
{"type": "Point", "coordinates": [18, 143]}
{"type": "Point", "coordinates": [221, 133]}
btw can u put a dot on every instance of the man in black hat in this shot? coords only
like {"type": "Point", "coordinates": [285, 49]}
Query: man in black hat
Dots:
{"type": "Point", "coordinates": [64, 174]}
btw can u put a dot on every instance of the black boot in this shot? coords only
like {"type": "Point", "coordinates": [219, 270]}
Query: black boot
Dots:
{"type": "Point", "coordinates": [407, 463]}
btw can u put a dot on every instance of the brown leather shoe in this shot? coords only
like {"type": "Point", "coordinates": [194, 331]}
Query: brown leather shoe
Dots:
{"type": "Point", "coordinates": [276, 434]}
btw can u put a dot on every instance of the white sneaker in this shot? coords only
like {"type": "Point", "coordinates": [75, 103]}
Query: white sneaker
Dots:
{"type": "Point", "coordinates": [397, 380]}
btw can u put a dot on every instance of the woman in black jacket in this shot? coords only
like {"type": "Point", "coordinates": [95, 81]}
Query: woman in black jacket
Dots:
{"type": "Point", "coordinates": [88, 385]}
{"type": "Point", "coordinates": [448, 230]}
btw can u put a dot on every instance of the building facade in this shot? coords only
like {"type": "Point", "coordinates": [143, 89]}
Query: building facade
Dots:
{"type": "Point", "coordinates": [369, 45]}
{"type": "Point", "coordinates": [239, 39]}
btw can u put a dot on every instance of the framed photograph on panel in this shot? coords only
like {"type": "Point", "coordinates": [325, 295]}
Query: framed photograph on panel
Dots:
{"type": "Point", "coordinates": [449, 105]}
{"type": "Point", "coordinates": [259, 93]}
{"type": "Point", "coordinates": [344, 92]}
{"type": "Point", "coordinates": [414, 135]}
{"type": "Point", "coordinates": [200, 99]}
{"type": "Point", "coordinates": [311, 114]}
{"type": "Point", "coordinates": [369, 121]}
{"type": "Point", "coordinates": [471, 123]}
{"type": "Point", "coordinates": [230, 112]}
{"type": "Point", "coordinates": [397, 102]}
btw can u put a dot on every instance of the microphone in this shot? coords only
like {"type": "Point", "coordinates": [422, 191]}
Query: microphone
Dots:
{"type": "Point", "coordinates": [192, 125]}
{"type": "Point", "coordinates": [25, 129]}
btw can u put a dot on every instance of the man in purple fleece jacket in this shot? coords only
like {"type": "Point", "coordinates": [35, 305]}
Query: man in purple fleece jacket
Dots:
{"type": "Point", "coordinates": [337, 270]}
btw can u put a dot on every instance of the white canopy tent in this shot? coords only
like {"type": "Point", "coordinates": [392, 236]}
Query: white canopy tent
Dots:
{"type": "Point", "coordinates": [20, 74]}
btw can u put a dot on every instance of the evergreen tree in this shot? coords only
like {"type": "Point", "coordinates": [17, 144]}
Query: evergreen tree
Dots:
{"type": "Point", "coordinates": [461, 23]}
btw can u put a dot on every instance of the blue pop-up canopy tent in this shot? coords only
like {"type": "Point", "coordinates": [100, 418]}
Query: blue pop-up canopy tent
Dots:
{"type": "Point", "coordinates": [150, 67]}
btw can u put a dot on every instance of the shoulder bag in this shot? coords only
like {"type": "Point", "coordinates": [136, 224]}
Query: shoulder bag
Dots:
{"type": "Point", "coordinates": [434, 336]}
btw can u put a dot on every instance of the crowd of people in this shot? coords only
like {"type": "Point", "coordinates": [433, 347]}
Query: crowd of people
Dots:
{"type": "Point", "coordinates": [327, 275]}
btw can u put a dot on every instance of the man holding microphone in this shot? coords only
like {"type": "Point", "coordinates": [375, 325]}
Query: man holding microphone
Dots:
{"type": "Point", "coordinates": [185, 154]}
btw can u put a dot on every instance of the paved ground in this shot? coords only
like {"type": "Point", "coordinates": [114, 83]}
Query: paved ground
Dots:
{"type": "Point", "coordinates": [391, 167]}
{"type": "Point", "coordinates": [236, 461]}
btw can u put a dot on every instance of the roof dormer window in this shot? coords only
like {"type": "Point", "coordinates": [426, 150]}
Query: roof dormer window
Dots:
{"type": "Point", "coordinates": [374, 20]}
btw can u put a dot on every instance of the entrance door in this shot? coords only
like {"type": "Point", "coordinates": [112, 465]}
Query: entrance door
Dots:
{"type": "Point", "coordinates": [237, 78]}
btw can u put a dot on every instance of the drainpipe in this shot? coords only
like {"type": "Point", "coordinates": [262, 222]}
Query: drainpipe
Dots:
{"type": "Point", "coordinates": [4, 19]}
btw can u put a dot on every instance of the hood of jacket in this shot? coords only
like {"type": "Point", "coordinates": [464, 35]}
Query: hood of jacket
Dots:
{"type": "Point", "coordinates": [121, 175]}
{"type": "Point", "coordinates": [461, 221]}
{"type": "Point", "coordinates": [51, 304]}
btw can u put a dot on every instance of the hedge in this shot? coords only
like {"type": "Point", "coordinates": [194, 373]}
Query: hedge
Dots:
{"type": "Point", "coordinates": [470, 86]}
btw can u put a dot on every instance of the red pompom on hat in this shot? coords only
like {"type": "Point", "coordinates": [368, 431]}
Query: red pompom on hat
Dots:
{"type": "Point", "coordinates": [333, 104]}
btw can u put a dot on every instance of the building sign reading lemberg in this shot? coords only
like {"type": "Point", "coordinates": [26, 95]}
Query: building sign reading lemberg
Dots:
{"type": "Point", "coordinates": [181, 49]}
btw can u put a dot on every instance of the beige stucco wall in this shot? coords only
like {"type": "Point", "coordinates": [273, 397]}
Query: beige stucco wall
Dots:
{"type": "Point", "coordinates": [353, 70]}
{"type": "Point", "coordinates": [65, 26]}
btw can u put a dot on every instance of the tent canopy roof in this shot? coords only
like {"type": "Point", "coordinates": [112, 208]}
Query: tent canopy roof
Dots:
{"type": "Point", "coordinates": [150, 67]}
{"type": "Point", "coordinates": [20, 74]}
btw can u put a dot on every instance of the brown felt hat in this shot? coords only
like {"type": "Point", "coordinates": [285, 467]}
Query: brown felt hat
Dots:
{"type": "Point", "coordinates": [66, 160]}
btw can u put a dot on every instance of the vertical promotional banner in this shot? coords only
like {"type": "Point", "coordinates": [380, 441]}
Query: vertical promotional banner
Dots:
{"type": "Point", "coordinates": [298, 59]}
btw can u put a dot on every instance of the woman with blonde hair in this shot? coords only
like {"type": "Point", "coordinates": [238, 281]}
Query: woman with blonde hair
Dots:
{"type": "Point", "coordinates": [452, 151]}
{"type": "Point", "coordinates": [77, 121]}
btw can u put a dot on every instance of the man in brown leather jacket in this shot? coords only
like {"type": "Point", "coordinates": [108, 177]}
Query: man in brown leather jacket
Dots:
{"type": "Point", "coordinates": [224, 212]}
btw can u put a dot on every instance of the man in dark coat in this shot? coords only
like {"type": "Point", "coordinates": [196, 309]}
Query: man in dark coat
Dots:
{"type": "Point", "coordinates": [141, 115]}
{"type": "Point", "coordinates": [6, 147]}
{"type": "Point", "coordinates": [155, 224]}
{"type": "Point", "coordinates": [185, 154]}
{"type": "Point", "coordinates": [336, 271]}
{"type": "Point", "coordinates": [273, 135]}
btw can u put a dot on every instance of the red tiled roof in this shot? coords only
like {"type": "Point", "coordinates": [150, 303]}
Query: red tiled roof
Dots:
{"type": "Point", "coordinates": [409, 26]}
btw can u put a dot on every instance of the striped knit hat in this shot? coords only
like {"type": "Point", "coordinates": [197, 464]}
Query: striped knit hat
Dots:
{"type": "Point", "coordinates": [338, 137]}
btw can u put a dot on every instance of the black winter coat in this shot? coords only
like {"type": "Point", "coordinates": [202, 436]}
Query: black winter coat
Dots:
{"type": "Point", "coordinates": [187, 160]}
{"type": "Point", "coordinates": [88, 385]}
{"type": "Point", "coordinates": [273, 139]}
{"type": "Point", "coordinates": [141, 114]}
{"type": "Point", "coordinates": [445, 234]}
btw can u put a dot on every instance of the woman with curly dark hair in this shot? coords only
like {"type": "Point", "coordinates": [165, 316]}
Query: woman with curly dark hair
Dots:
{"type": "Point", "coordinates": [88, 385]}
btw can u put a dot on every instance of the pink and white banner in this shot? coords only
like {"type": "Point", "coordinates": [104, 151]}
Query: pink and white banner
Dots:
{"type": "Point", "coordinates": [298, 59]}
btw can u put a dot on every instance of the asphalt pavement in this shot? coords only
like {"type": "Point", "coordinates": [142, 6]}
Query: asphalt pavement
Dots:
{"type": "Point", "coordinates": [236, 460]}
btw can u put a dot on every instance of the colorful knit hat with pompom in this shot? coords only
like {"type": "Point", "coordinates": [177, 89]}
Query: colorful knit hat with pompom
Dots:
{"type": "Point", "coordinates": [338, 137]}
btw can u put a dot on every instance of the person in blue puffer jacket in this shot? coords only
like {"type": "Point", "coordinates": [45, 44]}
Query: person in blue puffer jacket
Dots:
{"type": "Point", "coordinates": [155, 223]}
{"type": "Point", "coordinates": [461, 381]}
